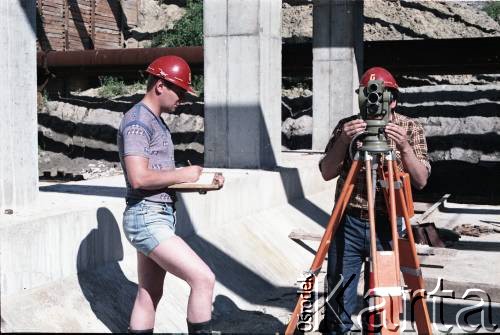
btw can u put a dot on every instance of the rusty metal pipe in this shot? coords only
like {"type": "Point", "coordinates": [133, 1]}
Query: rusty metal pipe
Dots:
{"type": "Point", "coordinates": [109, 57]}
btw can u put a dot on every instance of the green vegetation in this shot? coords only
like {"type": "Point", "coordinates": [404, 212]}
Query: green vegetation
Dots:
{"type": "Point", "coordinates": [197, 84]}
{"type": "Point", "coordinates": [114, 86]}
{"type": "Point", "coordinates": [111, 87]}
{"type": "Point", "coordinates": [492, 8]}
{"type": "Point", "coordinates": [188, 31]}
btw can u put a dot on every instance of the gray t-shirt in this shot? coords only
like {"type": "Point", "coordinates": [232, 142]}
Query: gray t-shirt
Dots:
{"type": "Point", "coordinates": [142, 133]}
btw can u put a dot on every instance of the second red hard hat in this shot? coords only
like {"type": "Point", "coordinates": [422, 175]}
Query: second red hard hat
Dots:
{"type": "Point", "coordinates": [379, 73]}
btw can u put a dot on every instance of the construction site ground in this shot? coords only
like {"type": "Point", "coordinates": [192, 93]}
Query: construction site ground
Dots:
{"type": "Point", "coordinates": [54, 280]}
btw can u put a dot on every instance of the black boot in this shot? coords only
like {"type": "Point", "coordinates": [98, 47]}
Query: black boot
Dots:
{"type": "Point", "coordinates": [142, 331]}
{"type": "Point", "coordinates": [200, 327]}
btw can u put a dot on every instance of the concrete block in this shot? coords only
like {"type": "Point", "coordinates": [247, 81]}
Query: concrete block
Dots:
{"type": "Point", "coordinates": [84, 228]}
{"type": "Point", "coordinates": [18, 166]}
{"type": "Point", "coordinates": [321, 104]}
{"type": "Point", "coordinates": [342, 95]}
{"type": "Point", "coordinates": [250, 135]}
{"type": "Point", "coordinates": [321, 30]}
{"type": "Point", "coordinates": [215, 50]}
{"type": "Point", "coordinates": [245, 134]}
{"type": "Point", "coordinates": [243, 17]}
{"type": "Point", "coordinates": [215, 18]}
{"type": "Point", "coordinates": [275, 14]}
{"type": "Point", "coordinates": [243, 70]}
{"type": "Point", "coordinates": [270, 19]}
{"type": "Point", "coordinates": [342, 20]}
{"type": "Point", "coordinates": [337, 61]}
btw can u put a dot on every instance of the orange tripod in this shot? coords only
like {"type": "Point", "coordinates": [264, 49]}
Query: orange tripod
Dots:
{"type": "Point", "coordinates": [385, 266]}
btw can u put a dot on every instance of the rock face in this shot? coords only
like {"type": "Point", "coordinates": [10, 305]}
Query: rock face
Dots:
{"type": "Point", "coordinates": [401, 20]}
{"type": "Point", "coordinates": [297, 23]}
{"type": "Point", "coordinates": [397, 20]}
{"type": "Point", "coordinates": [153, 17]}
{"type": "Point", "coordinates": [78, 139]}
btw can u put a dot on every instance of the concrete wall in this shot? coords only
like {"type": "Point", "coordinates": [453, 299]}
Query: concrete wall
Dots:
{"type": "Point", "coordinates": [18, 126]}
{"type": "Point", "coordinates": [242, 46]}
{"type": "Point", "coordinates": [76, 226]}
{"type": "Point", "coordinates": [337, 64]}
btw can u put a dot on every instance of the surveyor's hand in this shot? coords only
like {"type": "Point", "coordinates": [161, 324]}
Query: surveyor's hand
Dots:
{"type": "Point", "coordinates": [352, 128]}
{"type": "Point", "coordinates": [191, 174]}
{"type": "Point", "coordinates": [219, 179]}
{"type": "Point", "coordinates": [398, 135]}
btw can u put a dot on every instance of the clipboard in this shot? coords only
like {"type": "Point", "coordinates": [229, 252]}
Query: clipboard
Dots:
{"type": "Point", "coordinates": [206, 182]}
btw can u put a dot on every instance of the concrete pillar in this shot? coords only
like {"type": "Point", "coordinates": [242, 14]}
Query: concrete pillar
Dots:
{"type": "Point", "coordinates": [242, 47]}
{"type": "Point", "coordinates": [337, 64]}
{"type": "Point", "coordinates": [18, 123]}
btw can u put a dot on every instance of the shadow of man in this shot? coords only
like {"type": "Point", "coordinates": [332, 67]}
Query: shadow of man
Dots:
{"type": "Point", "coordinates": [228, 318]}
{"type": "Point", "coordinates": [110, 294]}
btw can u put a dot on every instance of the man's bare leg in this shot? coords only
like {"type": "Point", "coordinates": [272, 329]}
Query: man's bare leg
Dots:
{"type": "Point", "coordinates": [150, 290]}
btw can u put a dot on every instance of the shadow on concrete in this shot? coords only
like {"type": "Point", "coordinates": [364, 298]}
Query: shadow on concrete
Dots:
{"type": "Point", "coordinates": [228, 317]}
{"type": "Point", "coordinates": [476, 245]}
{"type": "Point", "coordinates": [485, 211]}
{"type": "Point", "coordinates": [296, 197]}
{"type": "Point", "coordinates": [238, 277]}
{"type": "Point", "coordinates": [29, 9]}
{"type": "Point", "coordinates": [110, 294]}
{"type": "Point", "coordinates": [104, 191]}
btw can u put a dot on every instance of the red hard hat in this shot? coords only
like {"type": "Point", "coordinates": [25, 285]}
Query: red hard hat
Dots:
{"type": "Point", "coordinates": [379, 73]}
{"type": "Point", "coordinates": [173, 69]}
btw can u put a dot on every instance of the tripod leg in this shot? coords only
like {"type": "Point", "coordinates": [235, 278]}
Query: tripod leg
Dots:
{"type": "Point", "coordinates": [392, 213]}
{"type": "Point", "coordinates": [386, 285]}
{"type": "Point", "coordinates": [412, 273]}
{"type": "Point", "coordinates": [319, 258]}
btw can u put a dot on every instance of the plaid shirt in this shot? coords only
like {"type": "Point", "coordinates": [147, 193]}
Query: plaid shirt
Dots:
{"type": "Point", "coordinates": [358, 202]}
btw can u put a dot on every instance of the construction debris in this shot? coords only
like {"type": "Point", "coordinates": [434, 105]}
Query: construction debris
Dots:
{"type": "Point", "coordinates": [474, 230]}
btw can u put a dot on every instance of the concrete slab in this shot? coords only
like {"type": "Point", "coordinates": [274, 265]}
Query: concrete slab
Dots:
{"type": "Point", "coordinates": [249, 251]}
{"type": "Point", "coordinates": [18, 107]}
{"type": "Point", "coordinates": [80, 273]}
{"type": "Point", "coordinates": [475, 264]}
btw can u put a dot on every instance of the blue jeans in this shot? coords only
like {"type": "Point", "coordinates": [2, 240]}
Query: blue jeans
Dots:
{"type": "Point", "coordinates": [147, 223]}
{"type": "Point", "coordinates": [349, 249]}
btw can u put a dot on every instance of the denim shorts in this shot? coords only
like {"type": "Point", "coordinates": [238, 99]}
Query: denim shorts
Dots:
{"type": "Point", "coordinates": [147, 223]}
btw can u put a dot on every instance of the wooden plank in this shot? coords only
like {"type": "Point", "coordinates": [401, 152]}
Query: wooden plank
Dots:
{"type": "Point", "coordinates": [66, 19]}
{"type": "Point", "coordinates": [52, 35]}
{"type": "Point", "coordinates": [52, 16]}
{"type": "Point", "coordinates": [106, 37]}
{"type": "Point", "coordinates": [53, 3]}
{"type": "Point", "coordinates": [105, 12]}
{"type": "Point", "coordinates": [299, 234]}
{"type": "Point", "coordinates": [104, 18]}
{"type": "Point", "coordinates": [55, 31]}
{"type": "Point", "coordinates": [55, 24]}
{"type": "Point", "coordinates": [52, 7]}
{"type": "Point", "coordinates": [77, 17]}
{"type": "Point", "coordinates": [106, 25]}
{"type": "Point", "coordinates": [92, 24]}
{"type": "Point", "coordinates": [429, 211]}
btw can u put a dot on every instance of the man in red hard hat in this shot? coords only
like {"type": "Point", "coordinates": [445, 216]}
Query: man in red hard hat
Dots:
{"type": "Point", "coordinates": [147, 157]}
{"type": "Point", "coordinates": [351, 243]}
